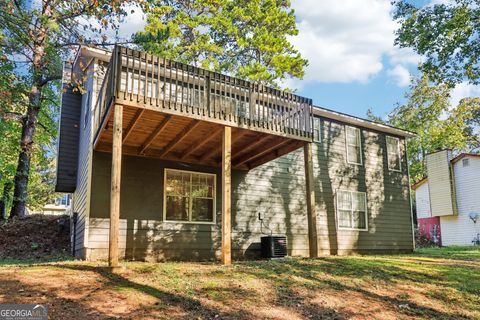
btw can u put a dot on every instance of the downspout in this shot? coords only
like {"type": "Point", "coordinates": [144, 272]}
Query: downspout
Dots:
{"type": "Point", "coordinates": [410, 194]}
{"type": "Point", "coordinates": [74, 230]}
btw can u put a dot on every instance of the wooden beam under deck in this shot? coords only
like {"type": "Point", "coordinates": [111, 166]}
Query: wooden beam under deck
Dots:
{"type": "Point", "coordinates": [211, 154]}
{"type": "Point", "coordinates": [311, 209]}
{"type": "Point", "coordinates": [115, 187]}
{"type": "Point", "coordinates": [182, 135]}
{"type": "Point", "coordinates": [132, 124]}
{"type": "Point", "coordinates": [202, 143]}
{"type": "Point", "coordinates": [227, 196]}
{"type": "Point", "coordinates": [267, 148]}
{"type": "Point", "coordinates": [155, 134]}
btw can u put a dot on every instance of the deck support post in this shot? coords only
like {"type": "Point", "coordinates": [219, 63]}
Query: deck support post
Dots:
{"type": "Point", "coordinates": [311, 210]}
{"type": "Point", "coordinates": [227, 196]}
{"type": "Point", "coordinates": [115, 187]}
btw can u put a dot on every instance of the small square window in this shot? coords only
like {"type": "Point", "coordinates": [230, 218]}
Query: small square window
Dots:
{"type": "Point", "coordinates": [465, 162]}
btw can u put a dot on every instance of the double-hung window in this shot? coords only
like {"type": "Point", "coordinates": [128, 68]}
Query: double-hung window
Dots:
{"type": "Point", "coordinates": [316, 129]}
{"type": "Point", "coordinates": [189, 196]}
{"type": "Point", "coordinates": [352, 210]}
{"type": "Point", "coordinates": [393, 153]}
{"type": "Point", "coordinates": [354, 145]}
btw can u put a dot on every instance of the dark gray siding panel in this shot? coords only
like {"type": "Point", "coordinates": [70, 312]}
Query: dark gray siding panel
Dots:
{"type": "Point", "coordinates": [67, 158]}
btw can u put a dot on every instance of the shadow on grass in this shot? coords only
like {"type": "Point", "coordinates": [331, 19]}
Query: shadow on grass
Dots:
{"type": "Point", "coordinates": [15, 291]}
{"type": "Point", "coordinates": [305, 272]}
{"type": "Point", "coordinates": [195, 308]}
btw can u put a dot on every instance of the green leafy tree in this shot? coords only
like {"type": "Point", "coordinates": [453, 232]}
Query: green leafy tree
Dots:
{"type": "Point", "coordinates": [35, 36]}
{"type": "Point", "coordinates": [244, 38]}
{"type": "Point", "coordinates": [446, 34]}
{"type": "Point", "coordinates": [438, 125]}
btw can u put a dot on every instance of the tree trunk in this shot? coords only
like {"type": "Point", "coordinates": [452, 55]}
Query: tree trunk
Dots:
{"type": "Point", "coordinates": [5, 199]}
{"type": "Point", "coordinates": [20, 193]}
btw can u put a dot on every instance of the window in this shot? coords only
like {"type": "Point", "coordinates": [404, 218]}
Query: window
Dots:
{"type": "Point", "coordinates": [354, 145]}
{"type": "Point", "coordinates": [316, 129]}
{"type": "Point", "coordinates": [189, 196]}
{"type": "Point", "coordinates": [352, 210]}
{"type": "Point", "coordinates": [393, 153]}
{"type": "Point", "coordinates": [465, 162]}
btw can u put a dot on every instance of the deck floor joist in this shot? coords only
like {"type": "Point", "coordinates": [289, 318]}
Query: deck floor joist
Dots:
{"type": "Point", "coordinates": [150, 133]}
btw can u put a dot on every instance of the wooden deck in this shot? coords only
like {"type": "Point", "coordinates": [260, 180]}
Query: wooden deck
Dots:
{"type": "Point", "coordinates": [177, 112]}
{"type": "Point", "coordinates": [152, 107]}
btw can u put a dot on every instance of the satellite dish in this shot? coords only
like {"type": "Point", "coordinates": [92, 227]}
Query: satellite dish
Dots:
{"type": "Point", "coordinates": [474, 216]}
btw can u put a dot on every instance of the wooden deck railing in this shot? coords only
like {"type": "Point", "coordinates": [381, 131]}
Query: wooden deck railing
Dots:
{"type": "Point", "coordinates": [138, 78]}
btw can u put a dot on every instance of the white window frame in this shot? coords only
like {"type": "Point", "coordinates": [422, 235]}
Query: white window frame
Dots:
{"type": "Point", "coordinates": [190, 203]}
{"type": "Point", "coordinates": [465, 162]}
{"type": "Point", "coordinates": [337, 208]}
{"type": "Point", "coordinates": [316, 127]}
{"type": "Point", "coordinates": [398, 153]}
{"type": "Point", "coordinates": [347, 144]}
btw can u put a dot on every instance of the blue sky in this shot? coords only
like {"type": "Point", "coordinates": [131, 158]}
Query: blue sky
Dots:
{"type": "Point", "coordinates": [353, 64]}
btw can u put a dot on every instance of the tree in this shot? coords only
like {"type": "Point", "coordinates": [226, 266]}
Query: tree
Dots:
{"type": "Point", "coordinates": [35, 36]}
{"type": "Point", "coordinates": [244, 38]}
{"type": "Point", "coordinates": [438, 125]}
{"type": "Point", "coordinates": [446, 34]}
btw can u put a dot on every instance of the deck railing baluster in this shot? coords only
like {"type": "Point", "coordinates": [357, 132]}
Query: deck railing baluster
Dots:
{"type": "Point", "coordinates": [201, 93]}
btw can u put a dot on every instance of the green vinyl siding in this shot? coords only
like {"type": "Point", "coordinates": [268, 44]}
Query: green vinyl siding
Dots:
{"type": "Point", "coordinates": [275, 189]}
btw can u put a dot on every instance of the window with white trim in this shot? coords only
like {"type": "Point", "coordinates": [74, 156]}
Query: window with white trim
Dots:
{"type": "Point", "coordinates": [354, 145]}
{"type": "Point", "coordinates": [393, 153]}
{"type": "Point", "coordinates": [316, 129]}
{"type": "Point", "coordinates": [189, 196]}
{"type": "Point", "coordinates": [352, 210]}
{"type": "Point", "coordinates": [465, 162]}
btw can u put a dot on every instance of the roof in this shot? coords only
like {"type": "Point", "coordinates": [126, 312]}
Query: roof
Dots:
{"type": "Point", "coordinates": [419, 183]}
{"type": "Point", "coordinates": [465, 155]}
{"type": "Point", "coordinates": [454, 160]}
{"type": "Point", "coordinates": [346, 118]}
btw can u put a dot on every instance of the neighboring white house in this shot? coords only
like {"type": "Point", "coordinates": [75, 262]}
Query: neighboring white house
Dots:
{"type": "Point", "coordinates": [61, 206]}
{"type": "Point", "coordinates": [450, 197]}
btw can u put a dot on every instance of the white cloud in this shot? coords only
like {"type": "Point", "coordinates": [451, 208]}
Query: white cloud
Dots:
{"type": "Point", "coordinates": [132, 23]}
{"type": "Point", "coordinates": [463, 90]}
{"type": "Point", "coordinates": [347, 41]}
{"type": "Point", "coordinates": [400, 75]}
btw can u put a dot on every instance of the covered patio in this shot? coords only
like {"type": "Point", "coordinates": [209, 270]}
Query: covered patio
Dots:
{"type": "Point", "coordinates": [152, 107]}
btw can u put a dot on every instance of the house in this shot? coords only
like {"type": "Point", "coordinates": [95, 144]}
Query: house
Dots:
{"type": "Point", "coordinates": [448, 199]}
{"type": "Point", "coordinates": [59, 206]}
{"type": "Point", "coordinates": [169, 161]}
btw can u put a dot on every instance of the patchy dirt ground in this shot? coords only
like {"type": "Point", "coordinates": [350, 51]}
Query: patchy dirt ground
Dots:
{"type": "Point", "coordinates": [36, 237]}
{"type": "Point", "coordinates": [432, 284]}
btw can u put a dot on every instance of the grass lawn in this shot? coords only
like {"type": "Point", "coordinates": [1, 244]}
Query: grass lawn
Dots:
{"type": "Point", "coordinates": [430, 284]}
